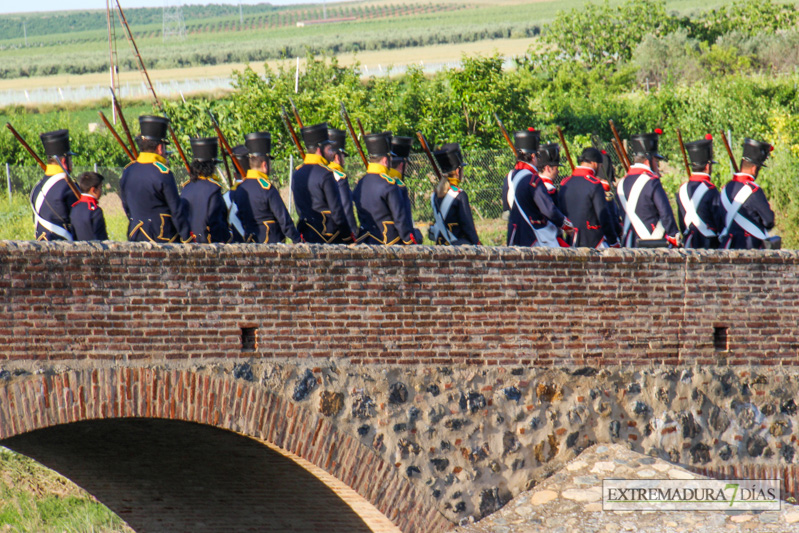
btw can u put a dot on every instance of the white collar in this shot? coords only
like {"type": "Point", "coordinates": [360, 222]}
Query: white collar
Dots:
{"type": "Point", "coordinates": [745, 174]}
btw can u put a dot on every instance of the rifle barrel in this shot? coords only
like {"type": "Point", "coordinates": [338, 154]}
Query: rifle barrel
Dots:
{"type": "Point", "coordinates": [292, 133]}
{"type": "Point", "coordinates": [507, 137]}
{"type": "Point", "coordinates": [619, 153]}
{"type": "Point", "coordinates": [426, 149]}
{"type": "Point", "coordinates": [360, 128]}
{"type": "Point", "coordinates": [684, 155]}
{"type": "Point", "coordinates": [348, 122]}
{"type": "Point", "coordinates": [118, 108]}
{"type": "Point", "coordinates": [116, 136]}
{"type": "Point", "coordinates": [296, 113]}
{"type": "Point", "coordinates": [226, 147]}
{"type": "Point", "coordinates": [565, 148]}
{"type": "Point", "coordinates": [622, 152]}
{"type": "Point", "coordinates": [27, 147]}
{"type": "Point", "coordinates": [729, 152]}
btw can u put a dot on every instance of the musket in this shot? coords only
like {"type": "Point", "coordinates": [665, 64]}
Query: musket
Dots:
{"type": "Point", "coordinates": [42, 164]}
{"type": "Point", "coordinates": [684, 155]}
{"type": "Point", "coordinates": [348, 122]}
{"type": "Point", "coordinates": [729, 152]}
{"type": "Point", "coordinates": [622, 152]}
{"type": "Point", "coordinates": [293, 134]}
{"type": "Point", "coordinates": [226, 147]}
{"type": "Point", "coordinates": [296, 113]}
{"type": "Point", "coordinates": [507, 137]}
{"type": "Point", "coordinates": [227, 167]}
{"type": "Point", "coordinates": [360, 128]}
{"type": "Point", "coordinates": [619, 151]}
{"type": "Point", "coordinates": [124, 122]}
{"type": "Point", "coordinates": [426, 149]}
{"type": "Point", "coordinates": [565, 148]}
{"type": "Point", "coordinates": [143, 70]}
{"type": "Point", "coordinates": [116, 136]}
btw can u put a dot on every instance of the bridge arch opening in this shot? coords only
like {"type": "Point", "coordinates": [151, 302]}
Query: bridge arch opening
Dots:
{"type": "Point", "coordinates": [168, 475]}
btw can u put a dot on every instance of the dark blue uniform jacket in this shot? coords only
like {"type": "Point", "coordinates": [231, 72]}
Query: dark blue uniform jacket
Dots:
{"type": "Point", "coordinates": [582, 199]}
{"type": "Point", "coordinates": [756, 209]}
{"type": "Point", "coordinates": [381, 208]}
{"type": "Point", "coordinates": [318, 201]}
{"type": "Point", "coordinates": [261, 210]}
{"type": "Point", "coordinates": [459, 219]}
{"type": "Point", "coordinates": [87, 220]}
{"type": "Point", "coordinates": [56, 206]}
{"type": "Point", "coordinates": [535, 201]}
{"type": "Point", "coordinates": [652, 207]}
{"type": "Point", "coordinates": [206, 210]}
{"type": "Point", "coordinates": [710, 212]}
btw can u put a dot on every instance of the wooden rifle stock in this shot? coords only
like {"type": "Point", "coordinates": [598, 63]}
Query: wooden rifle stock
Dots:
{"type": "Point", "coordinates": [360, 128]}
{"type": "Point", "coordinates": [227, 148]}
{"type": "Point", "coordinates": [27, 147]}
{"type": "Point", "coordinates": [42, 164]}
{"type": "Point", "coordinates": [124, 122]}
{"type": "Point", "coordinates": [116, 136]}
{"type": "Point", "coordinates": [507, 137]}
{"type": "Point", "coordinates": [292, 133]}
{"type": "Point", "coordinates": [684, 155]}
{"type": "Point", "coordinates": [296, 113]}
{"type": "Point", "coordinates": [729, 152]}
{"type": "Point", "coordinates": [146, 75]}
{"type": "Point", "coordinates": [227, 168]}
{"type": "Point", "coordinates": [348, 122]}
{"type": "Point", "coordinates": [565, 148]}
{"type": "Point", "coordinates": [426, 149]}
{"type": "Point", "coordinates": [619, 153]}
{"type": "Point", "coordinates": [622, 152]}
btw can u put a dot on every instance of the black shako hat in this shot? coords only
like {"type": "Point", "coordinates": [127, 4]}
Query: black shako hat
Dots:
{"type": "Point", "coordinates": [700, 152]}
{"type": "Point", "coordinates": [401, 146]}
{"type": "Point", "coordinates": [56, 143]}
{"type": "Point", "coordinates": [259, 143]}
{"type": "Point", "coordinates": [339, 140]}
{"type": "Point", "coordinates": [549, 154]}
{"type": "Point", "coordinates": [756, 152]}
{"type": "Point", "coordinates": [449, 157]}
{"type": "Point", "coordinates": [646, 145]}
{"type": "Point", "coordinates": [315, 136]}
{"type": "Point", "coordinates": [527, 141]}
{"type": "Point", "coordinates": [590, 155]}
{"type": "Point", "coordinates": [379, 144]}
{"type": "Point", "coordinates": [205, 149]}
{"type": "Point", "coordinates": [242, 155]}
{"type": "Point", "coordinates": [153, 128]}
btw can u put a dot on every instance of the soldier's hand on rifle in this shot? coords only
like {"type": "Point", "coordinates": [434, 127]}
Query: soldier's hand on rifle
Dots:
{"type": "Point", "coordinates": [675, 241]}
{"type": "Point", "coordinates": [567, 225]}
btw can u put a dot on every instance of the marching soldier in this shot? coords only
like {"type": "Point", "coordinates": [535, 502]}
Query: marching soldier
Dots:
{"type": "Point", "coordinates": [748, 214]}
{"type": "Point", "coordinates": [338, 139]}
{"type": "Point", "coordinates": [52, 198]}
{"type": "Point", "coordinates": [261, 210]}
{"type": "Point", "coordinates": [548, 163]}
{"type": "Point", "coordinates": [202, 196]}
{"type": "Point", "coordinates": [242, 156]}
{"type": "Point", "coordinates": [648, 214]}
{"type": "Point", "coordinates": [316, 194]}
{"type": "Point", "coordinates": [701, 216]}
{"type": "Point", "coordinates": [453, 224]}
{"type": "Point", "coordinates": [401, 147]}
{"type": "Point", "coordinates": [582, 198]}
{"type": "Point", "coordinates": [86, 216]}
{"type": "Point", "coordinates": [148, 190]}
{"type": "Point", "coordinates": [381, 206]}
{"type": "Point", "coordinates": [534, 218]}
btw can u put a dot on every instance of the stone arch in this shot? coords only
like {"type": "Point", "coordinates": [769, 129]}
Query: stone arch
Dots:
{"type": "Point", "coordinates": [31, 402]}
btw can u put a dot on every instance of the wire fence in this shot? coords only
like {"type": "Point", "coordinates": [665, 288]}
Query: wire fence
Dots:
{"type": "Point", "coordinates": [483, 180]}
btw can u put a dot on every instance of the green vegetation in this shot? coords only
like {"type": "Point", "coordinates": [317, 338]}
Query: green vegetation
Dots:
{"type": "Point", "coordinates": [33, 498]}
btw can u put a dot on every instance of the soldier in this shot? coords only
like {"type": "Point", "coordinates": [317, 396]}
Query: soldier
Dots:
{"type": "Point", "coordinates": [148, 190]}
{"type": "Point", "coordinates": [261, 210]}
{"type": "Point", "coordinates": [401, 146]}
{"type": "Point", "coordinates": [748, 214]}
{"type": "Point", "coordinates": [242, 156]}
{"type": "Point", "coordinates": [86, 216]}
{"type": "Point", "coordinates": [381, 206]}
{"type": "Point", "coordinates": [648, 214]}
{"type": "Point", "coordinates": [582, 198]}
{"type": "Point", "coordinates": [534, 218]}
{"type": "Point", "coordinates": [701, 216]}
{"type": "Point", "coordinates": [607, 176]}
{"type": "Point", "coordinates": [548, 163]}
{"type": "Point", "coordinates": [202, 196]}
{"type": "Point", "coordinates": [338, 139]}
{"type": "Point", "coordinates": [316, 195]}
{"type": "Point", "coordinates": [52, 197]}
{"type": "Point", "coordinates": [453, 224]}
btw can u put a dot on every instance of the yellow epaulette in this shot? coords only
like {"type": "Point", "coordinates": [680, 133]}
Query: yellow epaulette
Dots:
{"type": "Point", "coordinates": [264, 184]}
{"type": "Point", "coordinates": [129, 164]}
{"type": "Point", "coordinates": [388, 179]}
{"type": "Point", "coordinates": [162, 167]}
{"type": "Point", "coordinates": [339, 175]}
{"type": "Point", "coordinates": [399, 182]}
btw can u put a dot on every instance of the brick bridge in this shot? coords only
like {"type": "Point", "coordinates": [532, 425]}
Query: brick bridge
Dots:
{"type": "Point", "coordinates": [277, 388]}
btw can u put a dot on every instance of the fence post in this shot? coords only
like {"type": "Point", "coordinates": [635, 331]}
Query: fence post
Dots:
{"type": "Point", "coordinates": [291, 188]}
{"type": "Point", "coordinates": [95, 168]}
{"type": "Point", "coordinates": [8, 180]}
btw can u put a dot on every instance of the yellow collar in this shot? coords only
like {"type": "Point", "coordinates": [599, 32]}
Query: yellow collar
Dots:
{"type": "Point", "coordinates": [315, 159]}
{"type": "Point", "coordinates": [394, 173]}
{"type": "Point", "coordinates": [150, 157]}
{"type": "Point", "coordinates": [256, 174]}
{"type": "Point", "coordinates": [336, 166]}
{"type": "Point", "coordinates": [376, 168]}
{"type": "Point", "coordinates": [53, 170]}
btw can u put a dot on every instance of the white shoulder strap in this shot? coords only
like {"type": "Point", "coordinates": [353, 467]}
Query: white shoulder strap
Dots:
{"type": "Point", "coordinates": [631, 217]}
{"type": "Point", "coordinates": [733, 214]}
{"type": "Point", "coordinates": [440, 227]}
{"type": "Point", "coordinates": [691, 206]}
{"type": "Point", "coordinates": [37, 206]}
{"type": "Point", "coordinates": [233, 214]}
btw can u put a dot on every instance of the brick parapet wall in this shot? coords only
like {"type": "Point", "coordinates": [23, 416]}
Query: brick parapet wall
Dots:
{"type": "Point", "coordinates": [485, 306]}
